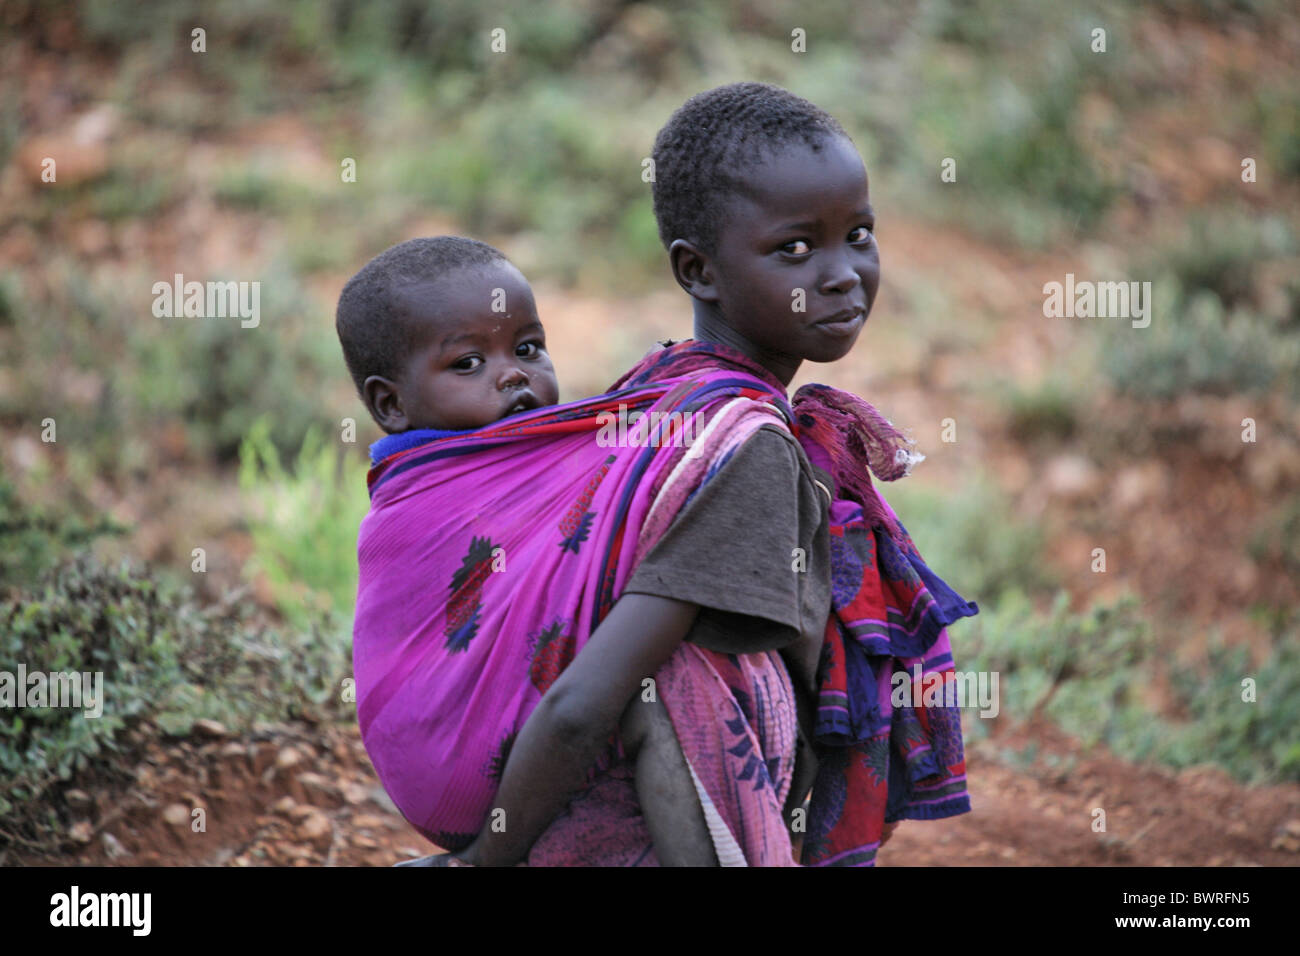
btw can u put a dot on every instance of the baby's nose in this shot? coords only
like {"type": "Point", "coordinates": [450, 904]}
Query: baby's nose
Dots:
{"type": "Point", "coordinates": [513, 377]}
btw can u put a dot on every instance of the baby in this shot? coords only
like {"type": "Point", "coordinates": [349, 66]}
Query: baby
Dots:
{"type": "Point", "coordinates": [442, 334]}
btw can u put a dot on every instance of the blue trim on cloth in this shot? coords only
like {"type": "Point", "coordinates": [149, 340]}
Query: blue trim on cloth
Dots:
{"type": "Point", "coordinates": [392, 444]}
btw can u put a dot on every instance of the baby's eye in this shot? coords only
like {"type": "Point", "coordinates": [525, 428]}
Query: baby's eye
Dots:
{"type": "Point", "coordinates": [529, 349]}
{"type": "Point", "coordinates": [797, 248]}
{"type": "Point", "coordinates": [863, 234]}
{"type": "Point", "coordinates": [468, 363]}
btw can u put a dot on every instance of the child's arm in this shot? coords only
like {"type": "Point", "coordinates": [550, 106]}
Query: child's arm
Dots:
{"type": "Point", "coordinates": [572, 723]}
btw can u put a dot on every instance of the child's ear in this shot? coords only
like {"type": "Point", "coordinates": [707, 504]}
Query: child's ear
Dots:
{"type": "Point", "coordinates": [692, 270]}
{"type": "Point", "coordinates": [385, 404]}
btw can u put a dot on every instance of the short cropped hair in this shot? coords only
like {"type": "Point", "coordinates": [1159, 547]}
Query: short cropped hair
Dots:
{"type": "Point", "coordinates": [714, 137]}
{"type": "Point", "coordinates": [371, 331]}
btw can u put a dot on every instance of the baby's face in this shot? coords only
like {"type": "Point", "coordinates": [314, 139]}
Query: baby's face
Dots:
{"type": "Point", "coordinates": [479, 350]}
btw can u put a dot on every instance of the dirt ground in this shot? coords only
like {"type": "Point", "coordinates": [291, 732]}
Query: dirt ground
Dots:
{"type": "Point", "coordinates": [307, 796]}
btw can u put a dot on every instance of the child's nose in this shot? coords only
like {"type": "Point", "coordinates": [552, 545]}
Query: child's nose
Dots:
{"type": "Point", "coordinates": [840, 276]}
{"type": "Point", "coordinates": [512, 377]}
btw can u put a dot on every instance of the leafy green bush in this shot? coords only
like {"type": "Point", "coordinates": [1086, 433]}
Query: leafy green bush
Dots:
{"type": "Point", "coordinates": [1196, 347]}
{"type": "Point", "coordinates": [232, 375]}
{"type": "Point", "coordinates": [165, 662]}
{"type": "Point", "coordinates": [1046, 411]}
{"type": "Point", "coordinates": [1221, 251]}
{"type": "Point", "coordinates": [1091, 672]}
{"type": "Point", "coordinates": [1058, 660]}
{"type": "Point", "coordinates": [32, 539]}
{"type": "Point", "coordinates": [1277, 537]}
{"type": "Point", "coordinates": [1254, 740]}
{"type": "Point", "coordinates": [972, 539]}
{"type": "Point", "coordinates": [304, 524]}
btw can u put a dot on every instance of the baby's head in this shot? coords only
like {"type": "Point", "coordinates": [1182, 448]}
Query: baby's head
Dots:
{"type": "Point", "coordinates": [762, 203]}
{"type": "Point", "coordinates": [443, 333]}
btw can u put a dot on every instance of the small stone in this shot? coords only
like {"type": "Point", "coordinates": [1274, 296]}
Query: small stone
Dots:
{"type": "Point", "coordinates": [320, 790]}
{"type": "Point", "coordinates": [365, 821]}
{"type": "Point", "coordinates": [177, 815]}
{"type": "Point", "coordinates": [287, 759]}
{"type": "Point", "coordinates": [263, 758]}
{"type": "Point", "coordinates": [77, 799]}
{"type": "Point", "coordinates": [1288, 837]}
{"type": "Point", "coordinates": [81, 832]}
{"type": "Point", "coordinates": [315, 829]}
{"type": "Point", "coordinates": [113, 847]}
{"type": "Point", "coordinates": [364, 843]}
{"type": "Point", "coordinates": [210, 728]}
{"type": "Point", "coordinates": [300, 812]}
{"type": "Point", "coordinates": [284, 806]}
{"type": "Point", "coordinates": [1071, 476]}
{"type": "Point", "coordinates": [356, 793]}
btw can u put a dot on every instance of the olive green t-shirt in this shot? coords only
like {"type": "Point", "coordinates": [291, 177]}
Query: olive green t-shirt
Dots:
{"type": "Point", "coordinates": [732, 550]}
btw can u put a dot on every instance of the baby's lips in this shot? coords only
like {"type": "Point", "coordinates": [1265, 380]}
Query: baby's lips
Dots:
{"type": "Point", "coordinates": [524, 403]}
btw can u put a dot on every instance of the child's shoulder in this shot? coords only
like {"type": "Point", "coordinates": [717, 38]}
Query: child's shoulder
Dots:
{"type": "Point", "coordinates": [774, 449]}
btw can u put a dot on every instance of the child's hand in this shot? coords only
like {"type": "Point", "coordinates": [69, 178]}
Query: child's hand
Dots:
{"type": "Point", "coordinates": [437, 859]}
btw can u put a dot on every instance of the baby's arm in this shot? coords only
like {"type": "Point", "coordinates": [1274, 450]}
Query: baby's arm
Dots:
{"type": "Point", "coordinates": [572, 723]}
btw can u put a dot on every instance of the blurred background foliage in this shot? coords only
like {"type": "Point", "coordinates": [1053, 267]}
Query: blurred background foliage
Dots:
{"type": "Point", "coordinates": [226, 165]}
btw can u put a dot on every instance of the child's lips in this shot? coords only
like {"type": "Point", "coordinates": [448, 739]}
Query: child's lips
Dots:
{"type": "Point", "coordinates": [523, 403]}
{"type": "Point", "coordinates": [843, 323]}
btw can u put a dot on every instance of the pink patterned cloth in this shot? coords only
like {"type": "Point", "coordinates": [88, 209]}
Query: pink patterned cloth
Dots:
{"type": "Point", "coordinates": [488, 558]}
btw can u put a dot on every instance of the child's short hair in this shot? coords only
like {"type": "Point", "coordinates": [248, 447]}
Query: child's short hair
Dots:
{"type": "Point", "coordinates": [373, 337]}
{"type": "Point", "coordinates": [713, 136]}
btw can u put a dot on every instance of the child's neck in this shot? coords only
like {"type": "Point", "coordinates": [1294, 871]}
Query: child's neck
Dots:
{"type": "Point", "coordinates": [710, 327]}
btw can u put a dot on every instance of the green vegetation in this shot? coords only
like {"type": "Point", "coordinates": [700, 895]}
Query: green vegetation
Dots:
{"type": "Point", "coordinates": [166, 662]}
{"type": "Point", "coordinates": [1277, 536]}
{"type": "Point", "coordinates": [1090, 673]}
{"type": "Point", "coordinates": [32, 539]}
{"type": "Point", "coordinates": [304, 524]}
{"type": "Point", "coordinates": [1046, 412]}
{"type": "Point", "coordinates": [1197, 347]}
{"type": "Point", "coordinates": [973, 539]}
{"type": "Point", "coordinates": [1218, 326]}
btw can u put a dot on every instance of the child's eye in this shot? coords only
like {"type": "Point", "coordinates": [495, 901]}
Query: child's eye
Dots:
{"type": "Point", "coordinates": [529, 349]}
{"type": "Point", "coordinates": [863, 234]}
{"type": "Point", "coordinates": [797, 248]}
{"type": "Point", "coordinates": [468, 363]}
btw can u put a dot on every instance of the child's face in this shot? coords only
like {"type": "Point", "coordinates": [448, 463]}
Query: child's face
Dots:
{"type": "Point", "coordinates": [471, 365]}
{"type": "Point", "coordinates": [805, 224]}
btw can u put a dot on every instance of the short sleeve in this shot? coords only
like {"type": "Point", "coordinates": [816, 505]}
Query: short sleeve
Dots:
{"type": "Point", "coordinates": [752, 548]}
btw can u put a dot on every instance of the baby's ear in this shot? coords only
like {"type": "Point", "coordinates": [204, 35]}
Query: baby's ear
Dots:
{"type": "Point", "coordinates": [385, 404]}
{"type": "Point", "coordinates": [692, 270]}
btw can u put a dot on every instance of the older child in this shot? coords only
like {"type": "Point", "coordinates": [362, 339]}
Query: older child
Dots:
{"type": "Point", "coordinates": [442, 337]}
{"type": "Point", "coordinates": [762, 203]}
